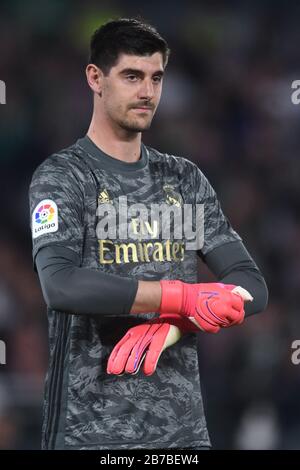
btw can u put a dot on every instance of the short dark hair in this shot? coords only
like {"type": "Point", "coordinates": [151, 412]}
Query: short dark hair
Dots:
{"type": "Point", "coordinates": [128, 36]}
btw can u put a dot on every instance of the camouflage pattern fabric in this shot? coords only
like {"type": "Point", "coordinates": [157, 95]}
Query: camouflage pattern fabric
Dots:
{"type": "Point", "coordinates": [85, 408]}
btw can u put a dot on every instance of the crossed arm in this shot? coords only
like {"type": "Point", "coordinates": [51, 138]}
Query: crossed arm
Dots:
{"type": "Point", "coordinates": [73, 289]}
{"type": "Point", "coordinates": [69, 288]}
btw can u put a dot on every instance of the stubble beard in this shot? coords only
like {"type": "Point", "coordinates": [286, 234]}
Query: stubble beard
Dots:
{"type": "Point", "coordinates": [132, 124]}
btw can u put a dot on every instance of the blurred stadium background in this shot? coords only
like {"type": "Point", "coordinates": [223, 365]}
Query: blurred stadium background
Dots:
{"type": "Point", "coordinates": [226, 106]}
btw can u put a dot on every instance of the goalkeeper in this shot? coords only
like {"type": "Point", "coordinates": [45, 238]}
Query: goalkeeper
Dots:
{"type": "Point", "coordinates": [115, 303]}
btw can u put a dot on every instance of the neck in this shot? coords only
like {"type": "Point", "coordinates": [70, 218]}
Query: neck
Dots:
{"type": "Point", "coordinates": [118, 143]}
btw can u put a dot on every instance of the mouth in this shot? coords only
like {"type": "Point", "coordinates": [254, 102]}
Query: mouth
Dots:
{"type": "Point", "coordinates": [142, 108]}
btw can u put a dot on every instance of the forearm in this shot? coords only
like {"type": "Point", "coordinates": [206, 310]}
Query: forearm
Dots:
{"type": "Point", "coordinates": [69, 288]}
{"type": "Point", "coordinates": [232, 264]}
{"type": "Point", "coordinates": [148, 297]}
{"type": "Point", "coordinates": [254, 284]}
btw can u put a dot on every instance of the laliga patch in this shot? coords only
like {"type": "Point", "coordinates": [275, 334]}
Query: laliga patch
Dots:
{"type": "Point", "coordinates": [44, 218]}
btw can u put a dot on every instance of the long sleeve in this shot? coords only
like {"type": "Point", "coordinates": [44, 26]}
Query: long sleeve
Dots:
{"type": "Point", "coordinates": [232, 264]}
{"type": "Point", "coordinates": [70, 288]}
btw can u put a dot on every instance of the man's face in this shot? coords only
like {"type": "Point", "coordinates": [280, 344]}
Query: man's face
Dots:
{"type": "Point", "coordinates": [132, 89]}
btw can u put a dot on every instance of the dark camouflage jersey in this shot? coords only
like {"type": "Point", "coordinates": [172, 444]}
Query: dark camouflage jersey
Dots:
{"type": "Point", "coordinates": [84, 407]}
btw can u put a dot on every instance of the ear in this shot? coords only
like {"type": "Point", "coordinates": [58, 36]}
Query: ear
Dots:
{"type": "Point", "coordinates": [94, 77]}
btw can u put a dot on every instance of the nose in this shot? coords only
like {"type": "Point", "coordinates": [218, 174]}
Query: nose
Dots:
{"type": "Point", "coordinates": [146, 90]}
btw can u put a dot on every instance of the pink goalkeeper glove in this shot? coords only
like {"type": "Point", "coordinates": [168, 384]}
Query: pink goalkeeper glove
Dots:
{"type": "Point", "coordinates": [209, 306]}
{"type": "Point", "coordinates": [147, 342]}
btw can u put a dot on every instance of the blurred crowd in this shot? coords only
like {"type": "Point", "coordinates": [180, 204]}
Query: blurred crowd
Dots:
{"type": "Point", "coordinates": [226, 106]}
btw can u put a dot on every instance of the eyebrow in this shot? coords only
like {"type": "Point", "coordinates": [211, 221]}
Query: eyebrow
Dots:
{"type": "Point", "coordinates": [139, 72]}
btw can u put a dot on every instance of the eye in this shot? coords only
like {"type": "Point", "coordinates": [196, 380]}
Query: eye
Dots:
{"type": "Point", "coordinates": [131, 78]}
{"type": "Point", "coordinates": [157, 78]}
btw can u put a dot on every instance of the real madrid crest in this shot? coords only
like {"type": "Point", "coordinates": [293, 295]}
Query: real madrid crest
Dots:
{"type": "Point", "coordinates": [172, 197]}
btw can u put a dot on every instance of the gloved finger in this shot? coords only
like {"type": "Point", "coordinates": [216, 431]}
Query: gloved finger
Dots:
{"type": "Point", "coordinates": [166, 337]}
{"type": "Point", "coordinates": [229, 286]}
{"type": "Point", "coordinates": [216, 311]}
{"type": "Point", "coordinates": [204, 324]}
{"type": "Point", "coordinates": [139, 363]}
{"type": "Point", "coordinates": [113, 355]}
{"type": "Point", "coordinates": [119, 356]}
{"type": "Point", "coordinates": [239, 322]}
{"type": "Point", "coordinates": [237, 302]}
{"type": "Point", "coordinates": [137, 353]}
{"type": "Point", "coordinates": [235, 317]}
{"type": "Point", "coordinates": [246, 296]}
{"type": "Point", "coordinates": [183, 323]}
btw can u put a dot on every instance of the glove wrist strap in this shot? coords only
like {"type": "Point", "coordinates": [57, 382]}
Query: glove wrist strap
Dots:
{"type": "Point", "coordinates": [171, 296]}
